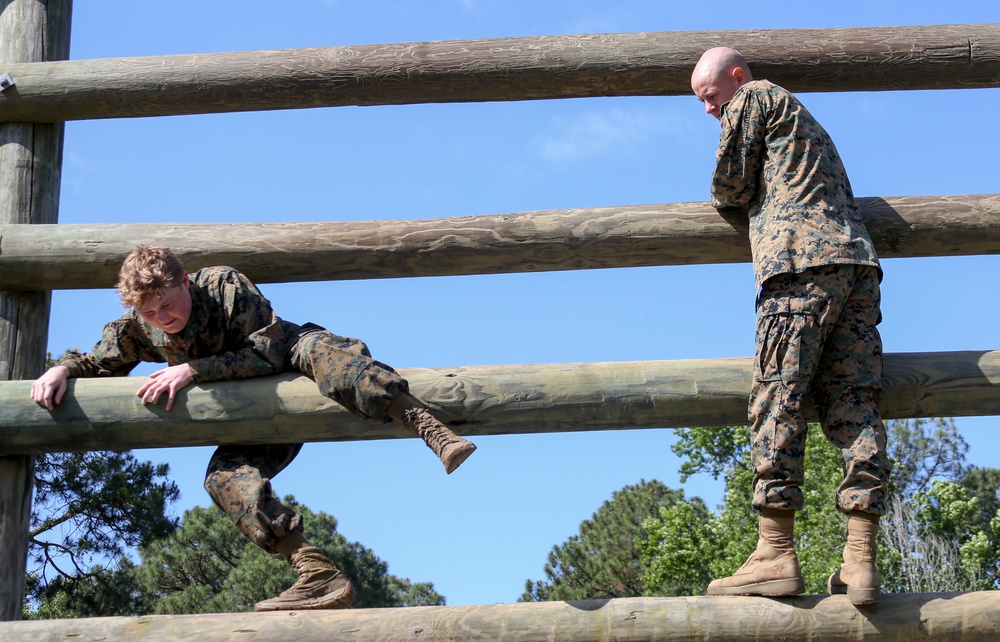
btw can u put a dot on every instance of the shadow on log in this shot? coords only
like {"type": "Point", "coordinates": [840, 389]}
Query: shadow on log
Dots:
{"type": "Point", "coordinates": [105, 414]}
{"type": "Point", "coordinates": [956, 617]}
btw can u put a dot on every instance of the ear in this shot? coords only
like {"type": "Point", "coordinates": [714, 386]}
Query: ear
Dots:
{"type": "Point", "coordinates": [738, 75]}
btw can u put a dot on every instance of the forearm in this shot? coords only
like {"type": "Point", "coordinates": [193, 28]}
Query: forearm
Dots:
{"type": "Point", "coordinates": [80, 365]}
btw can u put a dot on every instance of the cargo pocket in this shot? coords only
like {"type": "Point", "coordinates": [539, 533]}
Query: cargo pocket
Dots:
{"type": "Point", "coordinates": [787, 346]}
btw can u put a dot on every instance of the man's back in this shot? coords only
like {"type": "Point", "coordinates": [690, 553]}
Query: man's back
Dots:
{"type": "Point", "coordinates": [779, 165]}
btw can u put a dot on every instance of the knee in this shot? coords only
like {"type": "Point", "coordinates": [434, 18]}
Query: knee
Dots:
{"type": "Point", "coordinates": [214, 483]}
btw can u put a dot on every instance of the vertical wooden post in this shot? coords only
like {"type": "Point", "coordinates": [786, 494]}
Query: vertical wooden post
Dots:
{"type": "Point", "coordinates": [30, 170]}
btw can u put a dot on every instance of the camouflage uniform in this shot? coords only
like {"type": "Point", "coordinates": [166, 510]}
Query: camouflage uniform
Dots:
{"type": "Point", "coordinates": [234, 334]}
{"type": "Point", "coordinates": [818, 278]}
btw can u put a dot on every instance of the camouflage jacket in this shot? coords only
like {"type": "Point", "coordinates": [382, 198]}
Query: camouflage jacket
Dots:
{"type": "Point", "coordinates": [232, 334]}
{"type": "Point", "coordinates": [777, 164]}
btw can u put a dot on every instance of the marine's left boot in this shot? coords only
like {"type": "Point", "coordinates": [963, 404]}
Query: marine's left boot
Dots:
{"type": "Point", "coordinates": [858, 576]}
{"type": "Point", "coordinates": [773, 567]}
{"type": "Point", "coordinates": [321, 585]}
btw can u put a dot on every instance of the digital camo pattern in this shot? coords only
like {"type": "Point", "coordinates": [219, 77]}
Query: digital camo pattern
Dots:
{"type": "Point", "coordinates": [344, 370]}
{"type": "Point", "coordinates": [778, 165]}
{"type": "Point", "coordinates": [239, 481]}
{"type": "Point", "coordinates": [239, 477]}
{"type": "Point", "coordinates": [817, 335]}
{"type": "Point", "coordinates": [233, 333]}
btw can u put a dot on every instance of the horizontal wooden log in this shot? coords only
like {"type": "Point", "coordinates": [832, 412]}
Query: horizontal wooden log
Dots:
{"type": "Point", "coordinates": [917, 617]}
{"type": "Point", "coordinates": [105, 414]}
{"type": "Point", "coordinates": [88, 256]}
{"type": "Point", "coordinates": [527, 68]}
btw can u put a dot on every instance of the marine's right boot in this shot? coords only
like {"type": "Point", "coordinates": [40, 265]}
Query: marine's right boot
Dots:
{"type": "Point", "coordinates": [773, 567]}
{"type": "Point", "coordinates": [451, 449]}
{"type": "Point", "coordinates": [321, 585]}
{"type": "Point", "coordinates": [858, 576]}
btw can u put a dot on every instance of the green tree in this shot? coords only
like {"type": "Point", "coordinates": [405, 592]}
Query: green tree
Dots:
{"type": "Point", "coordinates": [208, 566]}
{"type": "Point", "coordinates": [941, 533]}
{"type": "Point", "coordinates": [677, 554]}
{"type": "Point", "coordinates": [981, 556]}
{"type": "Point", "coordinates": [681, 559]}
{"type": "Point", "coordinates": [938, 534]}
{"type": "Point", "coordinates": [923, 450]}
{"type": "Point", "coordinates": [602, 561]}
{"type": "Point", "coordinates": [920, 538]}
{"type": "Point", "coordinates": [102, 592]}
{"type": "Point", "coordinates": [90, 511]}
{"type": "Point", "coordinates": [984, 484]}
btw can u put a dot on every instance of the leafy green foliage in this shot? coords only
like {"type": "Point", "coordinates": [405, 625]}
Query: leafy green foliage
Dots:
{"type": "Point", "coordinates": [602, 561]}
{"type": "Point", "coordinates": [942, 532]}
{"type": "Point", "coordinates": [208, 566]}
{"type": "Point", "coordinates": [980, 556]}
{"type": "Point", "coordinates": [678, 550]}
{"type": "Point", "coordinates": [680, 559]}
{"type": "Point", "coordinates": [983, 484]}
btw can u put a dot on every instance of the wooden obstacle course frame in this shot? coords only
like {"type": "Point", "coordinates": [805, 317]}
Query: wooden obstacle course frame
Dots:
{"type": "Point", "coordinates": [34, 37]}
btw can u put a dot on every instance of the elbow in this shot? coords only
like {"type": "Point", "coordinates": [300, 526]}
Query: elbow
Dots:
{"type": "Point", "coordinates": [729, 206]}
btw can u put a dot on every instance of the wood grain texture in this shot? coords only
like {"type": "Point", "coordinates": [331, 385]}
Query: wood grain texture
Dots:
{"type": "Point", "coordinates": [89, 255]}
{"type": "Point", "coordinates": [526, 68]}
{"type": "Point", "coordinates": [100, 414]}
{"type": "Point", "coordinates": [30, 164]}
{"type": "Point", "coordinates": [955, 617]}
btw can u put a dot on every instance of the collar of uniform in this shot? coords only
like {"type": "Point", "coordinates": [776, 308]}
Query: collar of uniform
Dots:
{"type": "Point", "coordinates": [722, 110]}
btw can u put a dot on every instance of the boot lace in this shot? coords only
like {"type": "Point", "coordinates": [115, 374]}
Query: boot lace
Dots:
{"type": "Point", "coordinates": [427, 428]}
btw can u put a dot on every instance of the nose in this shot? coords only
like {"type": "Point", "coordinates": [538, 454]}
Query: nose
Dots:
{"type": "Point", "coordinates": [163, 316]}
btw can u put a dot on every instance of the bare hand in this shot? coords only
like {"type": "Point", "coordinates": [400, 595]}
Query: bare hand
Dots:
{"type": "Point", "coordinates": [169, 380]}
{"type": "Point", "coordinates": [49, 389]}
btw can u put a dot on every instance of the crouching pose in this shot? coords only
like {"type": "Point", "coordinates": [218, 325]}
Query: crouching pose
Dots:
{"type": "Point", "coordinates": [215, 325]}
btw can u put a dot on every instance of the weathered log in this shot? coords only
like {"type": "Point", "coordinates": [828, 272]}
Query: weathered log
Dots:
{"type": "Point", "coordinates": [88, 256]}
{"type": "Point", "coordinates": [527, 68]}
{"type": "Point", "coordinates": [30, 164]}
{"type": "Point", "coordinates": [955, 617]}
{"type": "Point", "coordinates": [100, 414]}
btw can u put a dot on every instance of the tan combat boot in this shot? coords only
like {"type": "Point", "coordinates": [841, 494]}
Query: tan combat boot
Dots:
{"type": "Point", "coordinates": [451, 449]}
{"type": "Point", "coordinates": [320, 585]}
{"type": "Point", "coordinates": [773, 567]}
{"type": "Point", "coordinates": [858, 576]}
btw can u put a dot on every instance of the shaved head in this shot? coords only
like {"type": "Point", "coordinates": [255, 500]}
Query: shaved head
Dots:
{"type": "Point", "coordinates": [719, 73]}
{"type": "Point", "coordinates": [720, 60]}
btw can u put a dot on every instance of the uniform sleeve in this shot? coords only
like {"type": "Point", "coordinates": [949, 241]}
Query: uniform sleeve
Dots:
{"type": "Point", "coordinates": [740, 156]}
{"type": "Point", "coordinates": [121, 348]}
{"type": "Point", "coordinates": [254, 331]}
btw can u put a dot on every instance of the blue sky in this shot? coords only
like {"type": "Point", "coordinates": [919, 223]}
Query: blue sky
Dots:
{"type": "Point", "coordinates": [481, 532]}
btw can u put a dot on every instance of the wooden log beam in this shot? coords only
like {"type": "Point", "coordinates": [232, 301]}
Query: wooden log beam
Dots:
{"type": "Point", "coordinates": [88, 256]}
{"type": "Point", "coordinates": [526, 68]}
{"type": "Point", "coordinates": [105, 414]}
{"type": "Point", "coordinates": [30, 171]}
{"type": "Point", "coordinates": [915, 617]}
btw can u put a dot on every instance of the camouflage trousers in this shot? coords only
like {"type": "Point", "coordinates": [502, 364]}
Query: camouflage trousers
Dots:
{"type": "Point", "coordinates": [817, 338]}
{"type": "Point", "coordinates": [239, 477]}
